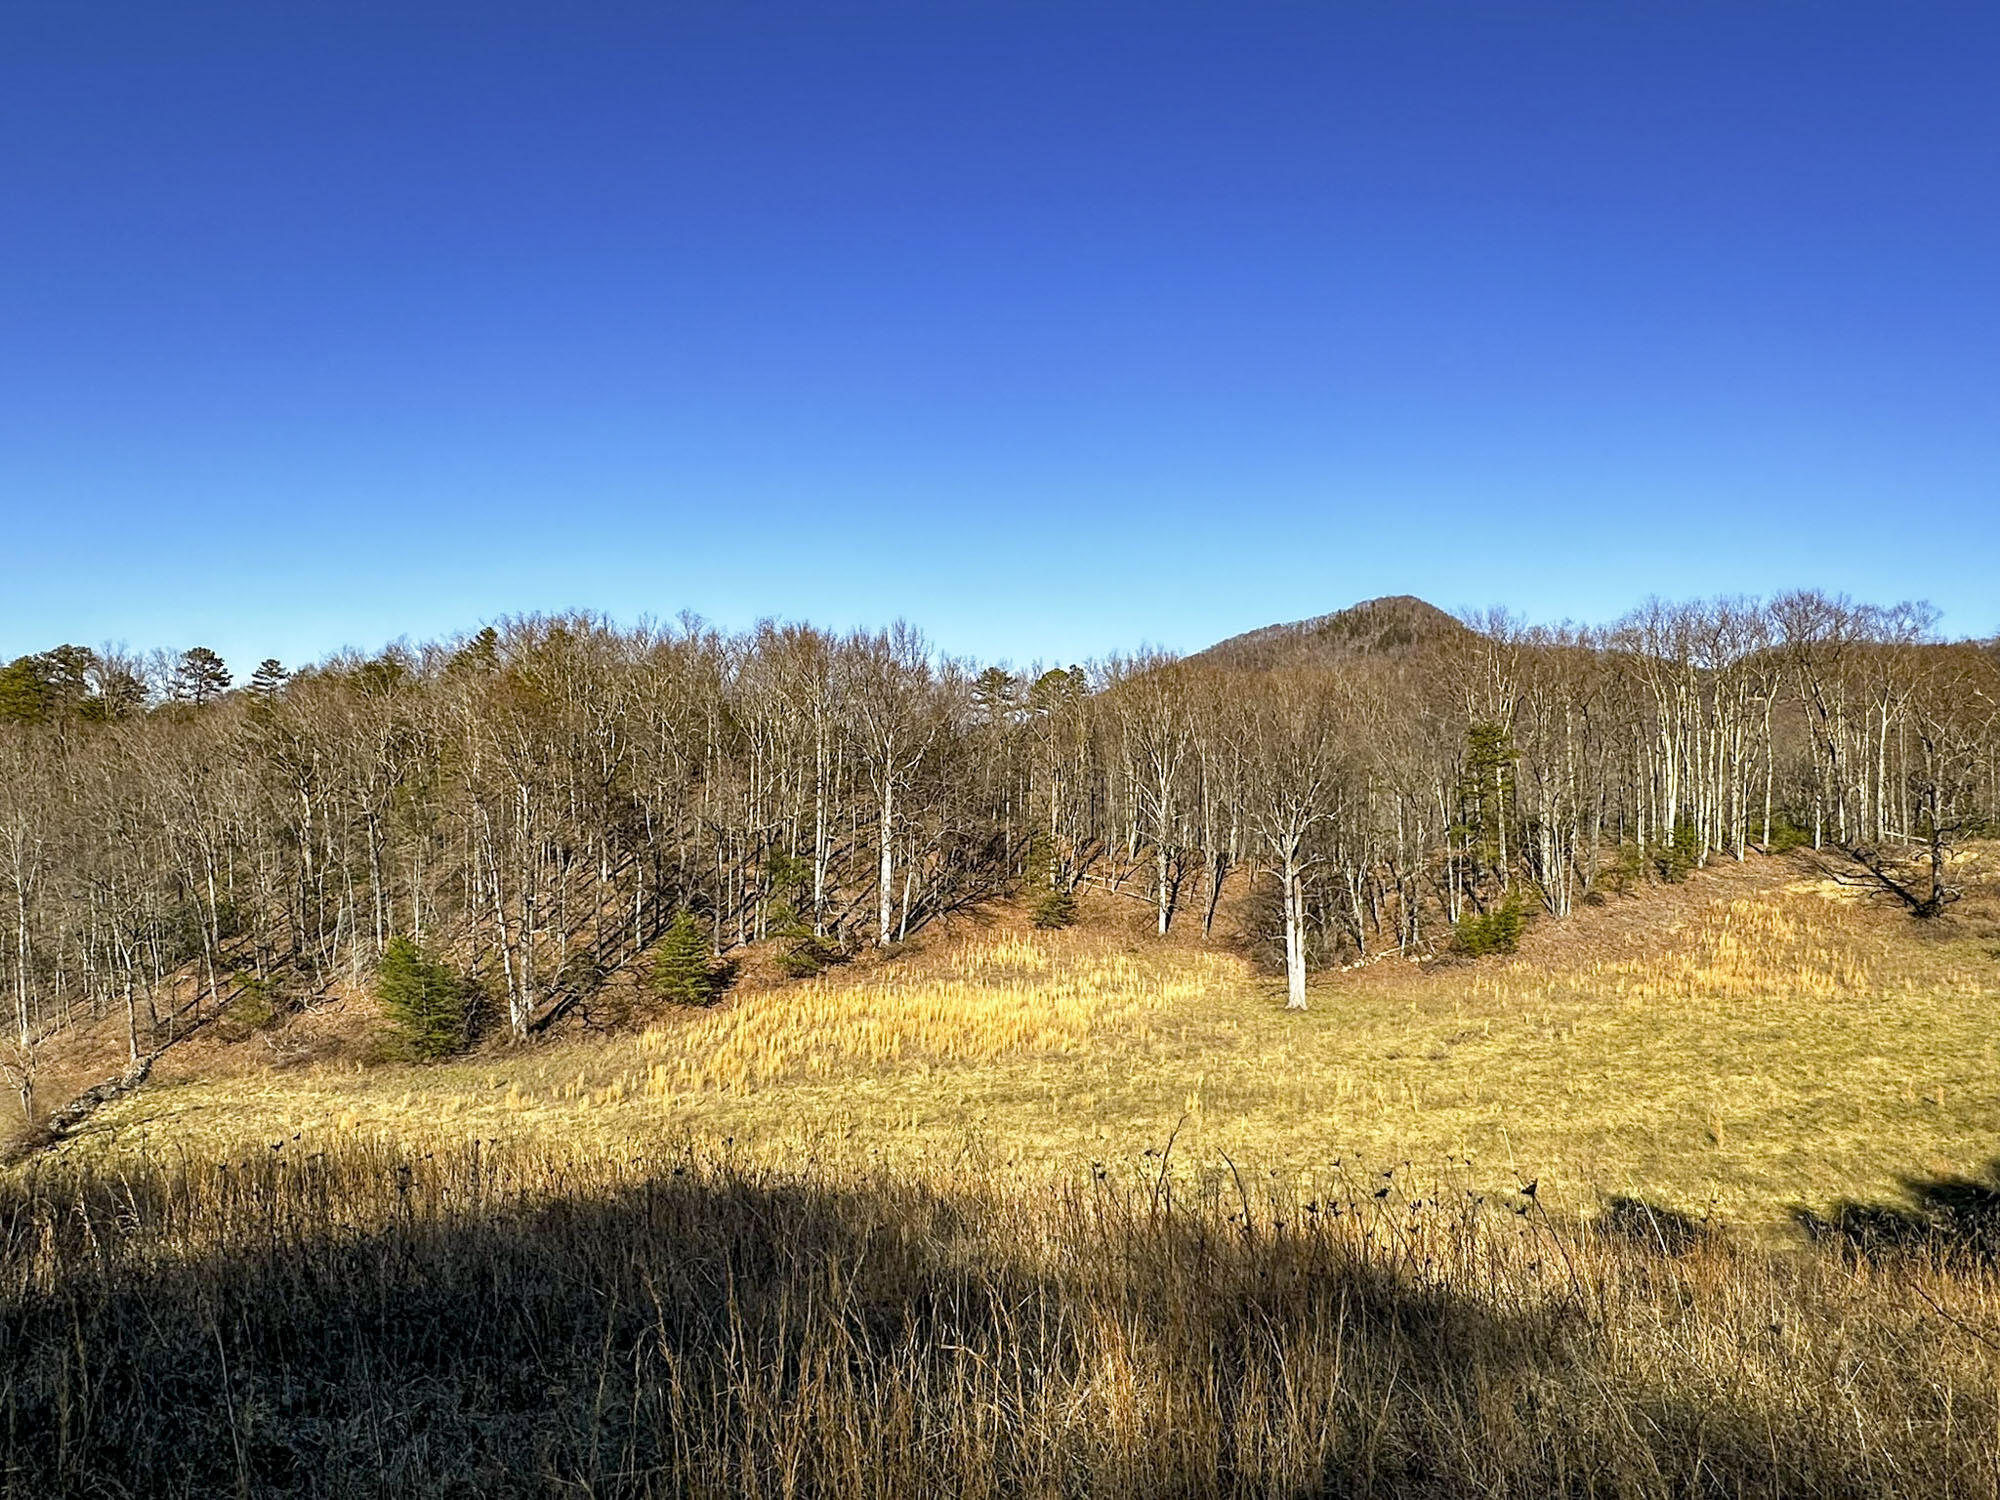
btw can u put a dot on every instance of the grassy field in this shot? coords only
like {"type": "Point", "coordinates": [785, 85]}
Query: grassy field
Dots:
{"type": "Point", "coordinates": [546, 1318]}
{"type": "Point", "coordinates": [1743, 1046]}
{"type": "Point", "coordinates": [1689, 1198]}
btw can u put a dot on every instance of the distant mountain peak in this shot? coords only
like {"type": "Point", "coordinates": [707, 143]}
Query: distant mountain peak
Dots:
{"type": "Point", "coordinates": [1391, 626]}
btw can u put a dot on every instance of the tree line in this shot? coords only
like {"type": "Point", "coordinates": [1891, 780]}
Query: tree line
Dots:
{"type": "Point", "coordinates": [542, 798]}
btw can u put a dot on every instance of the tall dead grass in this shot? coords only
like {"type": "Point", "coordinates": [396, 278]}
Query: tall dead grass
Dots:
{"type": "Point", "coordinates": [1779, 1051]}
{"type": "Point", "coordinates": [540, 1320]}
{"type": "Point", "coordinates": [1793, 945]}
{"type": "Point", "coordinates": [972, 1003]}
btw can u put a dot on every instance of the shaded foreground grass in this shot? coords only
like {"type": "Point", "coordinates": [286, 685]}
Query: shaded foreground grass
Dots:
{"type": "Point", "coordinates": [542, 1319]}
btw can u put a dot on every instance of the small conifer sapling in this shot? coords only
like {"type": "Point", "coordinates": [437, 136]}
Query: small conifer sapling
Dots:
{"type": "Point", "coordinates": [682, 974]}
{"type": "Point", "coordinates": [428, 1005]}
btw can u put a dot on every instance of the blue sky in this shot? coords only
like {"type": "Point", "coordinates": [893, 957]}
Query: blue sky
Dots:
{"type": "Point", "coordinates": [1053, 328]}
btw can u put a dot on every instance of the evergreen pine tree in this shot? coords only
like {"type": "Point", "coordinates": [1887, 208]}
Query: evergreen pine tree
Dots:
{"type": "Point", "coordinates": [24, 691]}
{"type": "Point", "coordinates": [1049, 900]}
{"type": "Point", "coordinates": [1496, 931]}
{"type": "Point", "coordinates": [199, 676]}
{"type": "Point", "coordinates": [268, 678]}
{"type": "Point", "coordinates": [682, 974]}
{"type": "Point", "coordinates": [478, 655]}
{"type": "Point", "coordinates": [1053, 909]}
{"type": "Point", "coordinates": [35, 689]}
{"type": "Point", "coordinates": [428, 1005]}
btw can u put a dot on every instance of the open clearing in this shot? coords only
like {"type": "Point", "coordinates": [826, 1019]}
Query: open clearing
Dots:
{"type": "Point", "coordinates": [896, 1231]}
{"type": "Point", "coordinates": [1757, 1040]}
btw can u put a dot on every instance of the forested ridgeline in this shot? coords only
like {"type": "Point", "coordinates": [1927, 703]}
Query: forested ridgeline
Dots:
{"type": "Point", "coordinates": [540, 800]}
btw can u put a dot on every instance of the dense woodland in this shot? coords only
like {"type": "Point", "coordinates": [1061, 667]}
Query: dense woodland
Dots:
{"type": "Point", "coordinates": [541, 799]}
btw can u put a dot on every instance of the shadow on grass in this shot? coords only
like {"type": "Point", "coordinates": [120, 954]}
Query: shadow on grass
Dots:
{"type": "Point", "coordinates": [695, 1331]}
{"type": "Point", "coordinates": [1943, 1217]}
{"type": "Point", "coordinates": [1654, 1227]}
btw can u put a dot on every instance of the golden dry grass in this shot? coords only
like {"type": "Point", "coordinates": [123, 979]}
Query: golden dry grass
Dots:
{"type": "Point", "coordinates": [558, 1318]}
{"type": "Point", "coordinates": [1746, 949]}
{"type": "Point", "coordinates": [918, 1228]}
{"type": "Point", "coordinates": [1774, 1048]}
{"type": "Point", "coordinates": [973, 1003]}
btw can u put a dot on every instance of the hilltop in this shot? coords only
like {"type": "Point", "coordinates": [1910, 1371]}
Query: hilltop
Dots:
{"type": "Point", "coordinates": [1395, 625]}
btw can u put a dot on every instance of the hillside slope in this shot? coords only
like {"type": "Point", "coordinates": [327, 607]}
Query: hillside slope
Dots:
{"type": "Point", "coordinates": [1692, 1046]}
{"type": "Point", "coordinates": [1076, 1213]}
{"type": "Point", "coordinates": [1392, 626]}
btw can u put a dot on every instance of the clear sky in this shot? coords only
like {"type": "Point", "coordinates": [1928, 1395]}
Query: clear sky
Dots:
{"type": "Point", "coordinates": [1052, 327]}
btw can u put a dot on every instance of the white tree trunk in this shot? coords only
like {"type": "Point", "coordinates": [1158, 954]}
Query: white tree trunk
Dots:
{"type": "Point", "coordinates": [888, 871]}
{"type": "Point", "coordinates": [1295, 939]}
